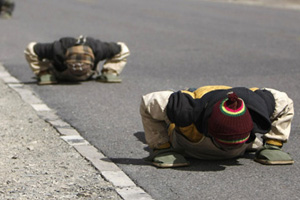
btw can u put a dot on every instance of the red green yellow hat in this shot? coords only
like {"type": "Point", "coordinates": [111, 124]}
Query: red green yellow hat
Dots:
{"type": "Point", "coordinates": [230, 122]}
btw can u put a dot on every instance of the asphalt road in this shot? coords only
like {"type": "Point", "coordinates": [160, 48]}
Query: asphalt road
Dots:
{"type": "Point", "coordinates": [174, 44]}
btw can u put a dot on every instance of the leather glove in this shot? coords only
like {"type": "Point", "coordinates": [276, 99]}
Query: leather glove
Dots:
{"type": "Point", "coordinates": [272, 155]}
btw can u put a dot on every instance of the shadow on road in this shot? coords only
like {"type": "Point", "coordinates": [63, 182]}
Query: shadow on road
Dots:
{"type": "Point", "coordinates": [35, 82]}
{"type": "Point", "coordinates": [196, 164]}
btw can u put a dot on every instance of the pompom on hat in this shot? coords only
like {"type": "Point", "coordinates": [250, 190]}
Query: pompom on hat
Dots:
{"type": "Point", "coordinates": [230, 122]}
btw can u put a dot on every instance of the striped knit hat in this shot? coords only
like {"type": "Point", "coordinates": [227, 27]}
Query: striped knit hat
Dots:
{"type": "Point", "coordinates": [80, 54]}
{"type": "Point", "coordinates": [230, 122]}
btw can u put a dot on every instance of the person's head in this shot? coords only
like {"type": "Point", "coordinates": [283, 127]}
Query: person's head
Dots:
{"type": "Point", "coordinates": [230, 122]}
{"type": "Point", "coordinates": [79, 59]}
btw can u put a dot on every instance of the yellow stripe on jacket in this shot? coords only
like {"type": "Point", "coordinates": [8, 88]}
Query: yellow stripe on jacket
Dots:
{"type": "Point", "coordinates": [191, 132]}
{"type": "Point", "coordinates": [200, 92]}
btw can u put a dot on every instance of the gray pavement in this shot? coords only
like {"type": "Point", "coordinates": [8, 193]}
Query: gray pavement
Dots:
{"type": "Point", "coordinates": [43, 157]}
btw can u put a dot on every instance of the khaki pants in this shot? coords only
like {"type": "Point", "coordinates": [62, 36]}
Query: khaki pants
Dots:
{"type": "Point", "coordinates": [155, 122]}
{"type": "Point", "coordinates": [118, 62]}
{"type": "Point", "coordinates": [39, 67]}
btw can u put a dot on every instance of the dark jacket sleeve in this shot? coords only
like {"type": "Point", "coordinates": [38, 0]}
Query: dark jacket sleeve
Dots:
{"type": "Point", "coordinates": [269, 100]}
{"type": "Point", "coordinates": [103, 50]}
{"type": "Point", "coordinates": [55, 51]}
{"type": "Point", "coordinates": [56, 48]}
{"type": "Point", "coordinates": [180, 109]}
{"type": "Point", "coordinates": [44, 50]}
{"type": "Point", "coordinates": [261, 105]}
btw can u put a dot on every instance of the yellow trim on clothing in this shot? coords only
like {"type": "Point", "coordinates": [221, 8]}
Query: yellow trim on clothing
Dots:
{"type": "Point", "coordinates": [274, 142]}
{"type": "Point", "coordinates": [254, 88]}
{"type": "Point", "coordinates": [171, 128]}
{"type": "Point", "coordinates": [191, 133]}
{"type": "Point", "coordinates": [164, 146]}
{"type": "Point", "coordinates": [192, 94]}
{"type": "Point", "coordinates": [201, 91]}
{"type": "Point", "coordinates": [167, 144]}
{"type": "Point", "coordinates": [198, 93]}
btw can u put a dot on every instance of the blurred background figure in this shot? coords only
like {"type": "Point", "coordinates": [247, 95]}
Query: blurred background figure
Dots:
{"type": "Point", "coordinates": [77, 59]}
{"type": "Point", "coordinates": [6, 8]}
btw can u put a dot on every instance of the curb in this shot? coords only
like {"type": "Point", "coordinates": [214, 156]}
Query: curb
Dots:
{"type": "Point", "coordinates": [125, 187]}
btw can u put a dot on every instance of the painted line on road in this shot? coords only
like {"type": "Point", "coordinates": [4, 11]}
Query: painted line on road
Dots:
{"type": "Point", "coordinates": [125, 187]}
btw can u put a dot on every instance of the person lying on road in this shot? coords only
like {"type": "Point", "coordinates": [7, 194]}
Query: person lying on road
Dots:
{"type": "Point", "coordinates": [216, 122]}
{"type": "Point", "coordinates": [77, 59]}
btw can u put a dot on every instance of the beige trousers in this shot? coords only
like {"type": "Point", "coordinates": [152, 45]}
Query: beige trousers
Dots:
{"type": "Point", "coordinates": [114, 65]}
{"type": "Point", "coordinates": [155, 123]}
{"type": "Point", "coordinates": [117, 63]}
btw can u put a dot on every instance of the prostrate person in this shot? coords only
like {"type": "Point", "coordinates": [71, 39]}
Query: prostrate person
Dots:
{"type": "Point", "coordinates": [215, 123]}
{"type": "Point", "coordinates": [77, 59]}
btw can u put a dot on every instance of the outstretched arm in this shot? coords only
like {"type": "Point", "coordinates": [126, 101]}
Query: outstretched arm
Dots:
{"type": "Point", "coordinates": [38, 64]}
{"type": "Point", "coordinates": [281, 120]}
{"type": "Point", "coordinates": [154, 118]}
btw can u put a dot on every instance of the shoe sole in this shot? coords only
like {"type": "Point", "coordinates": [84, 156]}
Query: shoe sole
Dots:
{"type": "Point", "coordinates": [268, 162]}
{"type": "Point", "coordinates": [104, 81]}
{"type": "Point", "coordinates": [46, 83]}
{"type": "Point", "coordinates": [108, 81]}
{"type": "Point", "coordinates": [164, 165]}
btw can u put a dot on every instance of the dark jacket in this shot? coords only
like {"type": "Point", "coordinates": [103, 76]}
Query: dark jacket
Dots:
{"type": "Point", "coordinates": [56, 51]}
{"type": "Point", "coordinates": [185, 108]}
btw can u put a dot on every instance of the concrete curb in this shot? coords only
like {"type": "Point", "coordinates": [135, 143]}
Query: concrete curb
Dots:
{"type": "Point", "coordinates": [125, 187]}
